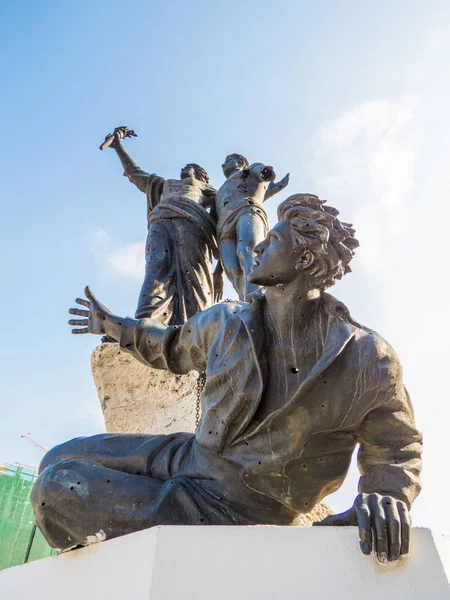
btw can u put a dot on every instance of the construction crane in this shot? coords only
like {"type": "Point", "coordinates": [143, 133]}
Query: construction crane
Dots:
{"type": "Point", "coordinates": [28, 438]}
{"type": "Point", "coordinates": [21, 464]}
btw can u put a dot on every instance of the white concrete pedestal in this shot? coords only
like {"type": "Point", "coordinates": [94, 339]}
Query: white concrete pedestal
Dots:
{"type": "Point", "coordinates": [233, 563]}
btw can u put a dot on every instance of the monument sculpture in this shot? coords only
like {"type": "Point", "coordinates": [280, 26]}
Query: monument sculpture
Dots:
{"type": "Point", "coordinates": [181, 239]}
{"type": "Point", "coordinates": [242, 221]}
{"type": "Point", "coordinates": [293, 384]}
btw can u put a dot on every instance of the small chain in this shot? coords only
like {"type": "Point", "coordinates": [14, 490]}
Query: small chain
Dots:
{"type": "Point", "coordinates": [200, 385]}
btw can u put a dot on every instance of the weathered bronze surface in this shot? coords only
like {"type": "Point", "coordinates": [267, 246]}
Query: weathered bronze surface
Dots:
{"type": "Point", "coordinates": [293, 384]}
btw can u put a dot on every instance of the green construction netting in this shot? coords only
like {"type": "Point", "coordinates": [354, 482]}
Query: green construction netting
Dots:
{"type": "Point", "coordinates": [20, 541]}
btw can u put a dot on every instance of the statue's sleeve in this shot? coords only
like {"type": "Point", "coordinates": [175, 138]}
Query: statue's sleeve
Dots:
{"type": "Point", "coordinates": [389, 457]}
{"type": "Point", "coordinates": [177, 348]}
{"type": "Point", "coordinates": [149, 183]}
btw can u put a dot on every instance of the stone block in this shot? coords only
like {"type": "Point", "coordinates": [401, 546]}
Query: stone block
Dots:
{"type": "Point", "coordinates": [223, 563]}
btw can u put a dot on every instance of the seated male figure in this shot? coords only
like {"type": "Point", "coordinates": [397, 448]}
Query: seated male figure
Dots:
{"type": "Point", "coordinates": [293, 384]}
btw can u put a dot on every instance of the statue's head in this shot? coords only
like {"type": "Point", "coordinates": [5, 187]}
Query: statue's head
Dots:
{"type": "Point", "coordinates": [195, 172]}
{"type": "Point", "coordinates": [309, 241]}
{"type": "Point", "coordinates": [234, 162]}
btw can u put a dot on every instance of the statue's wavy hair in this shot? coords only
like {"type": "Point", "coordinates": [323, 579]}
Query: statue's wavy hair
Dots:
{"type": "Point", "coordinates": [200, 172]}
{"type": "Point", "coordinates": [317, 226]}
{"type": "Point", "coordinates": [241, 160]}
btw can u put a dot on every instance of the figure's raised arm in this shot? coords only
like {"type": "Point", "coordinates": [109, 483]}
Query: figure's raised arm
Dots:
{"type": "Point", "coordinates": [135, 174]}
{"type": "Point", "coordinates": [275, 187]}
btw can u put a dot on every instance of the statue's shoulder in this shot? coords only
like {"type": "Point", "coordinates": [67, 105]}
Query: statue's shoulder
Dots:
{"type": "Point", "coordinates": [217, 313]}
{"type": "Point", "coordinates": [372, 347]}
{"type": "Point", "coordinates": [369, 345]}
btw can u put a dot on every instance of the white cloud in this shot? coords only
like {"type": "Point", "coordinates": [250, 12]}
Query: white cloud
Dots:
{"type": "Point", "coordinates": [118, 261]}
{"type": "Point", "coordinates": [363, 160]}
{"type": "Point", "coordinates": [128, 261]}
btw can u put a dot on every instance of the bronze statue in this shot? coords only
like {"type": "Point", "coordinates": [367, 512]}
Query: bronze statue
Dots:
{"type": "Point", "coordinates": [293, 384]}
{"type": "Point", "coordinates": [242, 221]}
{"type": "Point", "coordinates": [181, 239]}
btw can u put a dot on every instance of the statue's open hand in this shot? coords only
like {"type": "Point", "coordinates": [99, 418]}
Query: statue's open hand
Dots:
{"type": "Point", "coordinates": [384, 525]}
{"type": "Point", "coordinates": [283, 182]}
{"type": "Point", "coordinates": [275, 187]}
{"type": "Point", "coordinates": [218, 286]}
{"type": "Point", "coordinates": [95, 316]}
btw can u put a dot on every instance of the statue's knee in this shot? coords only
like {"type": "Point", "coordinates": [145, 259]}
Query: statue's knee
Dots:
{"type": "Point", "coordinates": [64, 450]}
{"type": "Point", "coordinates": [58, 481]}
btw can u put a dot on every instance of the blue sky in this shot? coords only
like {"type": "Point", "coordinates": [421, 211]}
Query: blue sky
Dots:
{"type": "Point", "coordinates": [350, 98]}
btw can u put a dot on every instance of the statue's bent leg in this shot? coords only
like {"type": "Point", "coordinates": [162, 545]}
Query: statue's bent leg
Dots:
{"type": "Point", "coordinates": [77, 503]}
{"type": "Point", "coordinates": [108, 485]}
{"type": "Point", "coordinates": [251, 231]}
{"type": "Point", "coordinates": [231, 264]}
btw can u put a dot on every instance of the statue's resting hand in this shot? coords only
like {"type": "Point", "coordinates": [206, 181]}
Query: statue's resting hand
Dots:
{"type": "Point", "coordinates": [384, 525]}
{"type": "Point", "coordinates": [95, 317]}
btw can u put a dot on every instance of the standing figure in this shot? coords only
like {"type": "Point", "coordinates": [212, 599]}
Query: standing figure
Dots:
{"type": "Point", "coordinates": [181, 239]}
{"type": "Point", "coordinates": [242, 221]}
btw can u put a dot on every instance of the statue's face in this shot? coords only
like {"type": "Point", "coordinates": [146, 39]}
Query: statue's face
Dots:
{"type": "Point", "coordinates": [230, 166]}
{"type": "Point", "coordinates": [187, 171]}
{"type": "Point", "coordinates": [277, 257]}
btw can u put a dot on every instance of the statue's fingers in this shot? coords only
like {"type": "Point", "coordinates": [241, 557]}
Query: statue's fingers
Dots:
{"type": "Point", "coordinates": [77, 331]}
{"type": "Point", "coordinates": [380, 528]}
{"type": "Point", "coordinates": [79, 311]}
{"type": "Point", "coordinates": [393, 528]}
{"type": "Point", "coordinates": [405, 526]}
{"type": "Point", "coordinates": [365, 528]}
{"type": "Point", "coordinates": [83, 302]}
{"type": "Point", "coordinates": [80, 322]}
{"type": "Point", "coordinates": [89, 294]}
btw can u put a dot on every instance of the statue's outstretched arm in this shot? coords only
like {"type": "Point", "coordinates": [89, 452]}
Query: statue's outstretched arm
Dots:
{"type": "Point", "coordinates": [179, 349]}
{"type": "Point", "coordinates": [274, 188]}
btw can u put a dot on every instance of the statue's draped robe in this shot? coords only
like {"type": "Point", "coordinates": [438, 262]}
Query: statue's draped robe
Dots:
{"type": "Point", "coordinates": [180, 243]}
{"type": "Point", "coordinates": [236, 469]}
